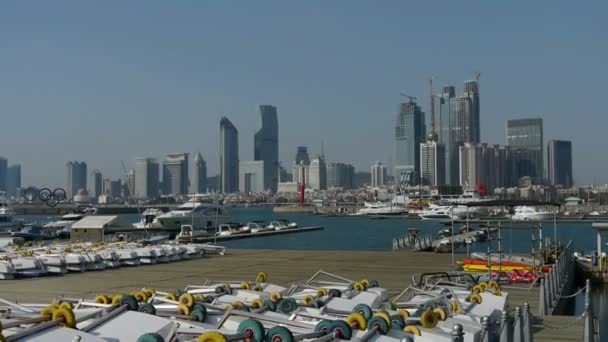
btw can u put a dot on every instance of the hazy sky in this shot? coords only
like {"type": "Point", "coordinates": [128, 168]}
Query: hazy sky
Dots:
{"type": "Point", "coordinates": [105, 81]}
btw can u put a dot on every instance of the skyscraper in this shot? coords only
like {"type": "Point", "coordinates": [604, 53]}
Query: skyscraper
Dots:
{"type": "Point", "coordinates": [457, 122]}
{"type": "Point", "coordinates": [525, 137]}
{"type": "Point", "coordinates": [76, 177]}
{"type": "Point", "coordinates": [266, 145]}
{"type": "Point", "coordinates": [229, 157]}
{"type": "Point", "coordinates": [199, 178]}
{"type": "Point", "coordinates": [559, 160]}
{"type": "Point", "coordinates": [487, 165]}
{"type": "Point", "coordinates": [130, 186]}
{"type": "Point", "coordinates": [432, 164]}
{"type": "Point", "coordinates": [175, 173]}
{"type": "Point", "coordinates": [13, 179]}
{"type": "Point", "coordinates": [340, 175]}
{"type": "Point", "coordinates": [409, 134]}
{"type": "Point", "coordinates": [378, 175]}
{"type": "Point", "coordinates": [146, 178]}
{"type": "Point", "coordinates": [471, 91]}
{"type": "Point", "coordinates": [97, 186]}
{"type": "Point", "coordinates": [317, 174]}
{"type": "Point", "coordinates": [3, 170]}
{"type": "Point", "coordinates": [300, 165]}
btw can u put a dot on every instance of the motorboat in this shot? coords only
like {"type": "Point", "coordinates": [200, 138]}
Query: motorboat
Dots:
{"type": "Point", "coordinates": [8, 221]}
{"type": "Point", "coordinates": [187, 233]}
{"type": "Point", "coordinates": [197, 214]}
{"type": "Point", "coordinates": [379, 208]}
{"type": "Point", "coordinates": [436, 212]}
{"type": "Point", "coordinates": [32, 232]}
{"type": "Point", "coordinates": [288, 223]}
{"type": "Point", "coordinates": [232, 228]}
{"type": "Point", "coordinates": [26, 266]}
{"type": "Point", "coordinates": [148, 219]}
{"type": "Point", "coordinates": [277, 225]}
{"type": "Point", "coordinates": [65, 223]}
{"type": "Point", "coordinates": [525, 213]}
{"type": "Point", "coordinates": [443, 233]}
{"type": "Point", "coordinates": [256, 227]}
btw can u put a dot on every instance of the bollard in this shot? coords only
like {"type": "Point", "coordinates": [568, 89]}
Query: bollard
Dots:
{"type": "Point", "coordinates": [527, 326]}
{"type": "Point", "coordinates": [589, 328]}
{"type": "Point", "coordinates": [485, 329]}
{"type": "Point", "coordinates": [517, 328]}
{"type": "Point", "coordinates": [457, 333]}
{"type": "Point", "coordinates": [542, 304]}
{"type": "Point", "coordinates": [505, 328]}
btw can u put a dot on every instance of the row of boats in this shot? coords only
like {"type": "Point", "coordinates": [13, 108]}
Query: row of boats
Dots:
{"type": "Point", "coordinates": [450, 212]}
{"type": "Point", "coordinates": [326, 307]}
{"type": "Point", "coordinates": [38, 261]}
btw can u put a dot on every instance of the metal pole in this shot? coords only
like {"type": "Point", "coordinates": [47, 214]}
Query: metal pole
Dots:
{"type": "Point", "coordinates": [452, 237]}
{"type": "Point", "coordinates": [554, 229]}
{"type": "Point", "coordinates": [457, 333]}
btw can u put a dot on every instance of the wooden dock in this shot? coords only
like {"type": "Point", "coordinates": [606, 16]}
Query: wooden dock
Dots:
{"type": "Point", "coordinates": [394, 271]}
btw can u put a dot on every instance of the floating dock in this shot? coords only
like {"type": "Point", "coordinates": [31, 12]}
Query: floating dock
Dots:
{"type": "Point", "coordinates": [257, 235]}
{"type": "Point", "coordinates": [393, 271]}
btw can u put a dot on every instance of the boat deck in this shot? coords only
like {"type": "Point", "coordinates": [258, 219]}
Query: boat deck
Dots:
{"type": "Point", "coordinates": [394, 271]}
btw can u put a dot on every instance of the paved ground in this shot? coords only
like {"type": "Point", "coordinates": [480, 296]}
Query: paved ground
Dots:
{"type": "Point", "coordinates": [393, 270]}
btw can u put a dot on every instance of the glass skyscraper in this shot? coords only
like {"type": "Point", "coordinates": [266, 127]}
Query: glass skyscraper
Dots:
{"type": "Point", "coordinates": [409, 134]}
{"type": "Point", "coordinates": [266, 145]}
{"type": "Point", "coordinates": [525, 137]}
{"type": "Point", "coordinates": [559, 163]}
{"type": "Point", "coordinates": [229, 157]}
{"type": "Point", "coordinates": [147, 175]}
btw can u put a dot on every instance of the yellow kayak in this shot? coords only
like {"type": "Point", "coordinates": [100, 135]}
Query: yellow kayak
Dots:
{"type": "Point", "coordinates": [484, 268]}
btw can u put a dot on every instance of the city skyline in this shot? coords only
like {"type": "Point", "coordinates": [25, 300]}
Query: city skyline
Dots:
{"type": "Point", "coordinates": [193, 74]}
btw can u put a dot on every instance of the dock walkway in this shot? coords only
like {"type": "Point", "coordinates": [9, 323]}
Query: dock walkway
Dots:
{"type": "Point", "coordinates": [393, 271]}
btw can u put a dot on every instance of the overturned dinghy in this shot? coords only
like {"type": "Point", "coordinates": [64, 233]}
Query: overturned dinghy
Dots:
{"type": "Point", "coordinates": [54, 263]}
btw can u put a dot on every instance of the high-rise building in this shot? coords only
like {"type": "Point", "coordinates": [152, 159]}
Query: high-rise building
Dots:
{"type": "Point", "coordinates": [3, 176]}
{"type": "Point", "coordinates": [229, 157]}
{"type": "Point", "coordinates": [317, 174]}
{"type": "Point", "coordinates": [457, 122]}
{"type": "Point", "coordinates": [175, 173]}
{"type": "Point", "coordinates": [488, 165]}
{"type": "Point", "coordinates": [266, 145]}
{"type": "Point", "coordinates": [471, 91]}
{"type": "Point", "coordinates": [378, 175]}
{"type": "Point", "coordinates": [340, 175]}
{"type": "Point", "coordinates": [97, 186]}
{"type": "Point", "coordinates": [116, 188]}
{"type": "Point", "coordinates": [199, 178]}
{"type": "Point", "coordinates": [13, 179]}
{"type": "Point", "coordinates": [76, 177]}
{"type": "Point", "coordinates": [432, 164]}
{"type": "Point", "coordinates": [251, 176]}
{"type": "Point", "coordinates": [146, 178]}
{"type": "Point", "coordinates": [409, 134]}
{"type": "Point", "coordinates": [130, 186]}
{"type": "Point", "coordinates": [300, 165]}
{"type": "Point", "coordinates": [525, 137]}
{"type": "Point", "coordinates": [559, 160]}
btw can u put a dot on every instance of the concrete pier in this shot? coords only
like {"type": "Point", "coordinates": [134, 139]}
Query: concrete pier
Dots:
{"type": "Point", "coordinates": [394, 271]}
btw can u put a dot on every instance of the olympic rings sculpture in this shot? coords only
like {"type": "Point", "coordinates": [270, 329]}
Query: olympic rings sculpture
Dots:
{"type": "Point", "coordinates": [48, 197]}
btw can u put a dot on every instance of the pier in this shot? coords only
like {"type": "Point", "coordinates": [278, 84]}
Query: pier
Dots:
{"type": "Point", "coordinates": [256, 235]}
{"type": "Point", "coordinates": [394, 271]}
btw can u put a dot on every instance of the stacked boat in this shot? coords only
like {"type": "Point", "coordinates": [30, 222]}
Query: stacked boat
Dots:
{"type": "Point", "coordinates": [36, 261]}
{"type": "Point", "coordinates": [325, 308]}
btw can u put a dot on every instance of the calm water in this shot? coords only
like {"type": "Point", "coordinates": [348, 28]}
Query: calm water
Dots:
{"type": "Point", "coordinates": [359, 233]}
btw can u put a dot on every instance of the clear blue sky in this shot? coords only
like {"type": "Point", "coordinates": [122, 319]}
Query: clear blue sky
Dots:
{"type": "Point", "coordinates": [104, 81]}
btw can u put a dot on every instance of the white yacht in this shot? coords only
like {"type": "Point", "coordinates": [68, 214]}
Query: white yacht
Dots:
{"type": "Point", "coordinates": [148, 219]}
{"type": "Point", "coordinates": [198, 215]}
{"type": "Point", "coordinates": [8, 222]}
{"type": "Point", "coordinates": [379, 208]}
{"type": "Point", "coordinates": [187, 234]}
{"type": "Point", "coordinates": [435, 212]}
{"type": "Point", "coordinates": [525, 213]}
{"type": "Point", "coordinates": [65, 223]}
